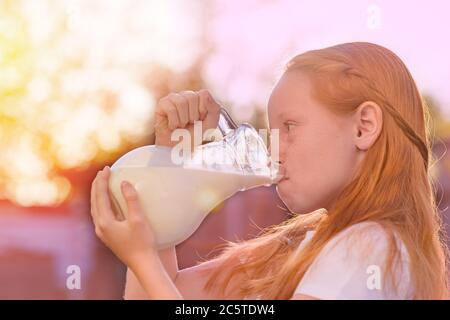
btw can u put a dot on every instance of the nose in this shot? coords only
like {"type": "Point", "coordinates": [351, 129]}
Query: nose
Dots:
{"type": "Point", "coordinates": [281, 170]}
{"type": "Point", "coordinates": [276, 154]}
{"type": "Point", "coordinates": [277, 161]}
{"type": "Point", "coordinates": [276, 147]}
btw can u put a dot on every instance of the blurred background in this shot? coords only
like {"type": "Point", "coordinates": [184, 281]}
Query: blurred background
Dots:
{"type": "Point", "coordinates": [79, 80]}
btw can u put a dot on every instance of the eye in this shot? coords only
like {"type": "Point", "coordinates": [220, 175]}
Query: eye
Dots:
{"type": "Point", "coordinates": [289, 125]}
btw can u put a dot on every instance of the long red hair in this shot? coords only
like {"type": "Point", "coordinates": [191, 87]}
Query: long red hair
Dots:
{"type": "Point", "coordinates": [393, 186]}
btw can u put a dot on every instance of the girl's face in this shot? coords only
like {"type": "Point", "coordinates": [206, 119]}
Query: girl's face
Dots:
{"type": "Point", "coordinates": [317, 152]}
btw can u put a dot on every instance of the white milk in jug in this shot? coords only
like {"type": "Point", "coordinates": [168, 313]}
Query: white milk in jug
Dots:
{"type": "Point", "coordinates": [175, 200]}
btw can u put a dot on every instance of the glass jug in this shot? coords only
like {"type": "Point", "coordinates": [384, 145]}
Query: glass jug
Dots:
{"type": "Point", "coordinates": [177, 195]}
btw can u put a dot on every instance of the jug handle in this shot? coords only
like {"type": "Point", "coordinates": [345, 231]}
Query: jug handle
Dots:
{"type": "Point", "coordinates": [226, 123]}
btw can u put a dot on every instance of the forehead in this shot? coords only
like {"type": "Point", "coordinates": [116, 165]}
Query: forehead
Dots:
{"type": "Point", "coordinates": [291, 95]}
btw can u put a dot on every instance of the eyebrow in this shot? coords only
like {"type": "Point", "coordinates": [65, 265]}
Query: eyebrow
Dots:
{"type": "Point", "coordinates": [286, 114]}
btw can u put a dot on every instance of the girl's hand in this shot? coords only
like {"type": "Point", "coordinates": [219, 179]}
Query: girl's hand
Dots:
{"type": "Point", "coordinates": [180, 110]}
{"type": "Point", "coordinates": [132, 238]}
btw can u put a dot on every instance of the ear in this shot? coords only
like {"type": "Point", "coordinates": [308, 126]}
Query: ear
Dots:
{"type": "Point", "coordinates": [368, 124]}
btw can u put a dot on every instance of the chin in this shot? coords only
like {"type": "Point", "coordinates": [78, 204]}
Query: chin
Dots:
{"type": "Point", "coordinates": [288, 199]}
{"type": "Point", "coordinates": [294, 201]}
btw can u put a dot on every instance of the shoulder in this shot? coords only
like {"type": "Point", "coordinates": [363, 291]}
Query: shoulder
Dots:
{"type": "Point", "coordinates": [368, 231]}
{"type": "Point", "coordinates": [343, 267]}
{"type": "Point", "coordinates": [365, 237]}
{"type": "Point", "coordinates": [369, 241]}
{"type": "Point", "coordinates": [361, 243]}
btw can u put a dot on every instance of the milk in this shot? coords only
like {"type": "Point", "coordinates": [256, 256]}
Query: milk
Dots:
{"type": "Point", "coordinates": [175, 200]}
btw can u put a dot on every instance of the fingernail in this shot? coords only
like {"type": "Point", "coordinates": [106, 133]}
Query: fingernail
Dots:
{"type": "Point", "coordinates": [127, 186]}
{"type": "Point", "coordinates": [128, 189]}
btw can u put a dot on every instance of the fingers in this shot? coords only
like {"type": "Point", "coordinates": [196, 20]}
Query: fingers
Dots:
{"type": "Point", "coordinates": [187, 107]}
{"type": "Point", "coordinates": [104, 212]}
{"type": "Point", "coordinates": [131, 199]}
{"type": "Point", "coordinates": [204, 98]}
{"type": "Point", "coordinates": [166, 108]}
{"type": "Point", "coordinates": [210, 108]}
{"type": "Point", "coordinates": [94, 206]}
{"type": "Point", "coordinates": [93, 202]}
{"type": "Point", "coordinates": [193, 102]}
{"type": "Point", "coordinates": [182, 106]}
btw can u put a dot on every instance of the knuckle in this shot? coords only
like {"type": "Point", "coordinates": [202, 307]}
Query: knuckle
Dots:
{"type": "Point", "coordinates": [184, 102]}
{"type": "Point", "coordinates": [162, 102]}
{"type": "Point", "coordinates": [172, 95]}
{"type": "Point", "coordinates": [215, 108]}
{"type": "Point", "coordinates": [177, 98]}
{"type": "Point", "coordinates": [190, 95]}
{"type": "Point", "coordinates": [193, 106]}
{"type": "Point", "coordinates": [203, 93]}
{"type": "Point", "coordinates": [171, 110]}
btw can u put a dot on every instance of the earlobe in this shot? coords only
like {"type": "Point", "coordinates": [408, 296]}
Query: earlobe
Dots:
{"type": "Point", "coordinates": [368, 124]}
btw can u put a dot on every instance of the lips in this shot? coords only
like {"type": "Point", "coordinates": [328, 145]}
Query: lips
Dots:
{"type": "Point", "coordinates": [281, 170]}
{"type": "Point", "coordinates": [281, 174]}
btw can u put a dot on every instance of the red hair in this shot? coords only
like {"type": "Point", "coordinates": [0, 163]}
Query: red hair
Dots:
{"type": "Point", "coordinates": [393, 186]}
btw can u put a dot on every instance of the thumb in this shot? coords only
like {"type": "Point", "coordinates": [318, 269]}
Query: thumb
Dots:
{"type": "Point", "coordinates": [131, 198]}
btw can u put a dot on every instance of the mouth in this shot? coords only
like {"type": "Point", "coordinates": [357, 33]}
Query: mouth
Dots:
{"type": "Point", "coordinates": [281, 179]}
{"type": "Point", "coordinates": [284, 178]}
{"type": "Point", "coordinates": [282, 173]}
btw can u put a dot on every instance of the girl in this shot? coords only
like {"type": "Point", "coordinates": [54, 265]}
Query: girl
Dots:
{"type": "Point", "coordinates": [353, 141]}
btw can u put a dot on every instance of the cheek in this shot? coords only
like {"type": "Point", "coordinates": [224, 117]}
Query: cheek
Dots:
{"type": "Point", "coordinates": [318, 167]}
{"type": "Point", "coordinates": [320, 150]}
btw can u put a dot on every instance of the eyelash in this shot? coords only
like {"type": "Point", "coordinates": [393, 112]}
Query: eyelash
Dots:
{"type": "Point", "coordinates": [287, 124]}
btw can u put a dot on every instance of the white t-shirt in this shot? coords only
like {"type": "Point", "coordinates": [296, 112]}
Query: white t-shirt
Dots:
{"type": "Point", "coordinates": [351, 266]}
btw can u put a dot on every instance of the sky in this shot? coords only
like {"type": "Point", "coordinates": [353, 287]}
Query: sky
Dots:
{"type": "Point", "coordinates": [254, 37]}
